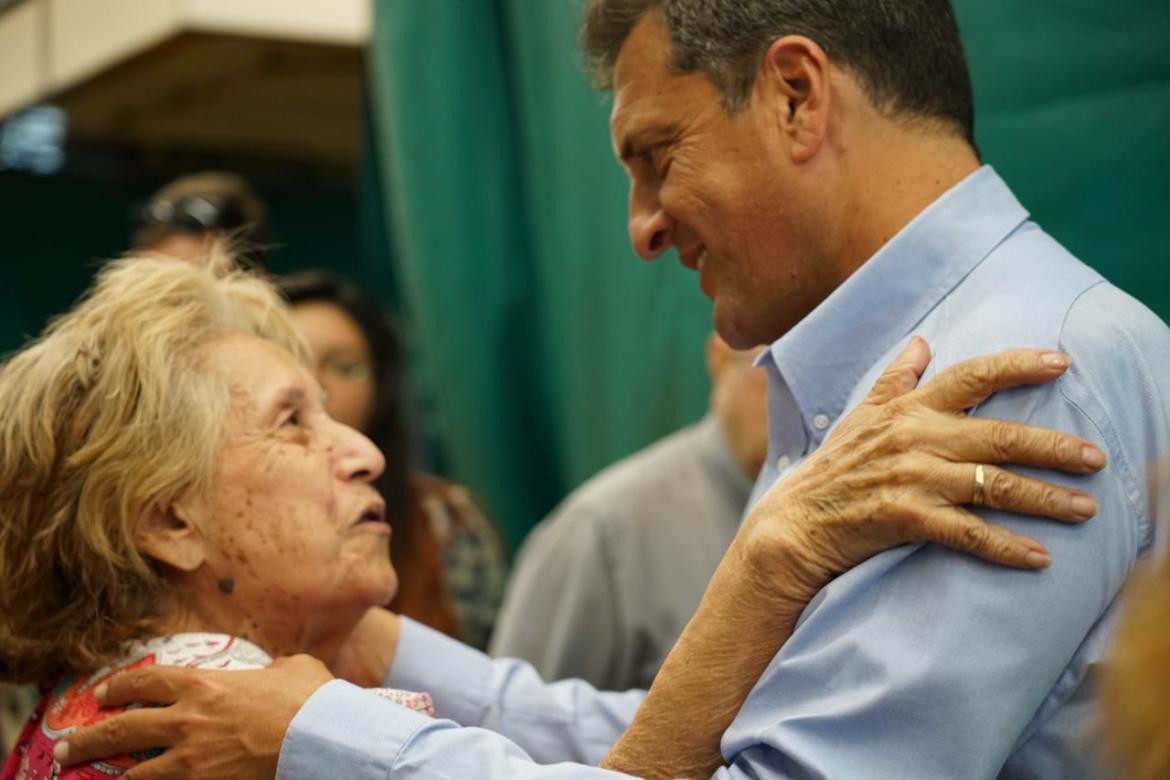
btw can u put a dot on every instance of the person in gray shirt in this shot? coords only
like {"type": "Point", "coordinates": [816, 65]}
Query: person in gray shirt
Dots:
{"type": "Point", "coordinates": [603, 587]}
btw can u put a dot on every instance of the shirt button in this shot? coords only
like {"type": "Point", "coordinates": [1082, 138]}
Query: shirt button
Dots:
{"type": "Point", "coordinates": [783, 462]}
{"type": "Point", "coordinates": [821, 421]}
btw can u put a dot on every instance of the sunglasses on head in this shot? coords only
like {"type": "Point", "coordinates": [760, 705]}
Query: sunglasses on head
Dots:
{"type": "Point", "coordinates": [194, 213]}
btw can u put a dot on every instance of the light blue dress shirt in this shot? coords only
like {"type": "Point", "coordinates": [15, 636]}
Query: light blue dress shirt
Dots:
{"type": "Point", "coordinates": [921, 662]}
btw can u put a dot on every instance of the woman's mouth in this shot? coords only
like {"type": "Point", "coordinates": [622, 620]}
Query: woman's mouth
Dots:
{"type": "Point", "coordinates": [374, 515]}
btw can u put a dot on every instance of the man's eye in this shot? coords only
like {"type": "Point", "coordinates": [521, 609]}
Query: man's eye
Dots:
{"type": "Point", "coordinates": [657, 161]}
{"type": "Point", "coordinates": [293, 419]}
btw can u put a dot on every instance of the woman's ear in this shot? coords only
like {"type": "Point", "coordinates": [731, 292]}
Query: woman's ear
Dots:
{"type": "Point", "coordinates": [167, 535]}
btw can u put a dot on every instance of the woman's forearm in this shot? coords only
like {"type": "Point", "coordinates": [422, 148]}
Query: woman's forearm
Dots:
{"type": "Point", "coordinates": [739, 626]}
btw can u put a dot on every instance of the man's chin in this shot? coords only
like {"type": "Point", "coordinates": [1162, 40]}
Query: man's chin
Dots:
{"type": "Point", "coordinates": [737, 334]}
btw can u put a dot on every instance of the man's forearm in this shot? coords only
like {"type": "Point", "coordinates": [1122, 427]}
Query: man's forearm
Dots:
{"type": "Point", "coordinates": [739, 626]}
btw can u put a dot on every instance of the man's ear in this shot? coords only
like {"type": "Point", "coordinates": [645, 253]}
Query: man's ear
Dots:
{"type": "Point", "coordinates": [794, 78]}
{"type": "Point", "coordinates": [167, 535]}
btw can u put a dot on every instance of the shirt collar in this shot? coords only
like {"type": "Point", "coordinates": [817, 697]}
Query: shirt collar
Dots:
{"type": "Point", "coordinates": [825, 355]}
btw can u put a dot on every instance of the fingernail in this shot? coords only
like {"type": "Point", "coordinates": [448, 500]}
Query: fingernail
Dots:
{"type": "Point", "coordinates": [1083, 507]}
{"type": "Point", "coordinates": [1038, 560]}
{"type": "Point", "coordinates": [61, 751]}
{"type": "Point", "coordinates": [1093, 457]}
{"type": "Point", "coordinates": [99, 693]}
{"type": "Point", "coordinates": [1054, 360]}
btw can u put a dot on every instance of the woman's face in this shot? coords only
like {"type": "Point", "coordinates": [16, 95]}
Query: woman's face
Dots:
{"type": "Point", "coordinates": [342, 361]}
{"type": "Point", "coordinates": [291, 519]}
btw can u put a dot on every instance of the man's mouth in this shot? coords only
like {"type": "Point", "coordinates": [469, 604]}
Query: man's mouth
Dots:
{"type": "Point", "coordinates": [693, 258]}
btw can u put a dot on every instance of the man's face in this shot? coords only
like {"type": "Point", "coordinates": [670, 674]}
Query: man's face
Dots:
{"type": "Point", "coordinates": [721, 188]}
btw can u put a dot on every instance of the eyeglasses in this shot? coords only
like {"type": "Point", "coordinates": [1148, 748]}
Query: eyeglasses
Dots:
{"type": "Point", "coordinates": [195, 213]}
{"type": "Point", "coordinates": [346, 367]}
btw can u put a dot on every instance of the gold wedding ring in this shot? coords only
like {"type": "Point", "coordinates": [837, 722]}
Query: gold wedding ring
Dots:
{"type": "Point", "coordinates": [977, 500]}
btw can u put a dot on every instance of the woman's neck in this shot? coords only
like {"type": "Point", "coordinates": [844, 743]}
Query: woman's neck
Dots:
{"type": "Point", "coordinates": [277, 631]}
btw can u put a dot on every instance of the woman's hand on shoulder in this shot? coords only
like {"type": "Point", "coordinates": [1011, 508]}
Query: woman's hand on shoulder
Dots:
{"type": "Point", "coordinates": [901, 466]}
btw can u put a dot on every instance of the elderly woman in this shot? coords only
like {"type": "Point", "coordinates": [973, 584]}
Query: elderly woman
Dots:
{"type": "Point", "coordinates": [173, 493]}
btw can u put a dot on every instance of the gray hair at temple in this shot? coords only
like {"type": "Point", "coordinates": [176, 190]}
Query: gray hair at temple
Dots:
{"type": "Point", "coordinates": [905, 54]}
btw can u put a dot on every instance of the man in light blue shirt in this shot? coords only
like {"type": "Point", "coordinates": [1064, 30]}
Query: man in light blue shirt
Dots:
{"type": "Point", "coordinates": [920, 663]}
{"type": "Point", "coordinates": [813, 162]}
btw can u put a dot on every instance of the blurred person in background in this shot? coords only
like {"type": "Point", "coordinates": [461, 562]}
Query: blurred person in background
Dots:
{"type": "Point", "coordinates": [1136, 681]}
{"type": "Point", "coordinates": [188, 215]}
{"type": "Point", "coordinates": [449, 562]}
{"type": "Point", "coordinates": [603, 587]}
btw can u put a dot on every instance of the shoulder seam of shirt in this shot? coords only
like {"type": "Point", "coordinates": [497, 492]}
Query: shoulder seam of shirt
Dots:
{"type": "Point", "coordinates": [1106, 429]}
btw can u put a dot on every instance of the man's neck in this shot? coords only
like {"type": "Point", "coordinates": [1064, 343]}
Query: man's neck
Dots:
{"type": "Point", "coordinates": [894, 174]}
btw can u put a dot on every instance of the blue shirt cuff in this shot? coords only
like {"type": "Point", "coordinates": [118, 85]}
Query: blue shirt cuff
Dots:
{"type": "Point", "coordinates": [457, 677]}
{"type": "Point", "coordinates": [345, 731]}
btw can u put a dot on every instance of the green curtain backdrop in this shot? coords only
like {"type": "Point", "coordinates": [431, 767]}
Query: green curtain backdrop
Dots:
{"type": "Point", "coordinates": [549, 349]}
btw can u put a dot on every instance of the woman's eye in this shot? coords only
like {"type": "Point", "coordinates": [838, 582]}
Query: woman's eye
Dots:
{"type": "Point", "coordinates": [293, 419]}
{"type": "Point", "coordinates": [355, 370]}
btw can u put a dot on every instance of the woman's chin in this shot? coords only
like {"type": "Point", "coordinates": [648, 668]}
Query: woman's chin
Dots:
{"type": "Point", "coordinates": [389, 594]}
{"type": "Point", "coordinates": [387, 589]}
{"type": "Point", "coordinates": [379, 582]}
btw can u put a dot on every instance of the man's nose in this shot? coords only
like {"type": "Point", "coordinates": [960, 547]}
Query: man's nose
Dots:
{"type": "Point", "coordinates": [651, 228]}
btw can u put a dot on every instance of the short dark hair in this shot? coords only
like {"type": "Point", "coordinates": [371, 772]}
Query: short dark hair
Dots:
{"type": "Point", "coordinates": [906, 54]}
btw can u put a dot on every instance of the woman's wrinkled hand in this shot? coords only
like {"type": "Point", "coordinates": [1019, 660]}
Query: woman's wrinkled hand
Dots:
{"type": "Point", "coordinates": [901, 466]}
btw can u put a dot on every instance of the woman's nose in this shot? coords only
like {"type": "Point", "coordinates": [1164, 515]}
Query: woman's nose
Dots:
{"type": "Point", "coordinates": [359, 458]}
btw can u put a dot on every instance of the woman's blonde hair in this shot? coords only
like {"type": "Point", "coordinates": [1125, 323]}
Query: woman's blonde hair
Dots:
{"type": "Point", "coordinates": [109, 415]}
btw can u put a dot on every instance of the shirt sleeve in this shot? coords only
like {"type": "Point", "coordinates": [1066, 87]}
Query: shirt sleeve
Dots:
{"type": "Point", "coordinates": [343, 731]}
{"type": "Point", "coordinates": [561, 610]}
{"type": "Point", "coordinates": [552, 722]}
{"type": "Point", "coordinates": [927, 663]}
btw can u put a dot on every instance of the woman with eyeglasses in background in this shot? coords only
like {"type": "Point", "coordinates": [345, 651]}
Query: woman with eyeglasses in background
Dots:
{"type": "Point", "coordinates": [447, 556]}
